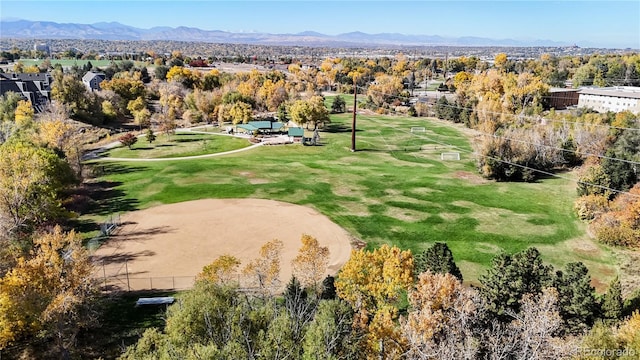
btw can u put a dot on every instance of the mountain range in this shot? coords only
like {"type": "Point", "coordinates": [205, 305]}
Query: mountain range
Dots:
{"type": "Point", "coordinates": [25, 29]}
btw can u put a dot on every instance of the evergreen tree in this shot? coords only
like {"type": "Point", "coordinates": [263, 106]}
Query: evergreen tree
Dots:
{"type": "Point", "coordinates": [328, 288]}
{"type": "Point", "coordinates": [612, 302]}
{"type": "Point", "coordinates": [151, 137]}
{"type": "Point", "coordinates": [338, 105]}
{"type": "Point", "coordinates": [623, 175]}
{"type": "Point", "coordinates": [510, 278]}
{"type": "Point", "coordinates": [631, 303]}
{"type": "Point", "coordinates": [283, 114]}
{"type": "Point", "coordinates": [576, 298]}
{"type": "Point", "coordinates": [437, 259]}
{"type": "Point", "coordinates": [442, 108]}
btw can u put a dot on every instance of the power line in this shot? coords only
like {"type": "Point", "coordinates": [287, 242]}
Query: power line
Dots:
{"type": "Point", "coordinates": [560, 149]}
{"type": "Point", "coordinates": [505, 161]}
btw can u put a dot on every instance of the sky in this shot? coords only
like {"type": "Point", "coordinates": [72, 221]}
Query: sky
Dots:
{"type": "Point", "coordinates": [614, 24]}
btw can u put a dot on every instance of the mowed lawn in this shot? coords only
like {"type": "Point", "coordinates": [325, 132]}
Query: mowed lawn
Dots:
{"type": "Point", "coordinates": [395, 189]}
{"type": "Point", "coordinates": [178, 145]}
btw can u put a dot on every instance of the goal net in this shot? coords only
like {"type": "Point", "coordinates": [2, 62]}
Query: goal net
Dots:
{"type": "Point", "coordinates": [417, 129]}
{"type": "Point", "coordinates": [450, 156]}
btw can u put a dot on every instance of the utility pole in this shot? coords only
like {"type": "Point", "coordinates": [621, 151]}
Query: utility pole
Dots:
{"type": "Point", "coordinates": [353, 123]}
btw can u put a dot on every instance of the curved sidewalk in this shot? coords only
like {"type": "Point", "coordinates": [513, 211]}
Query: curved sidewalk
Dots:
{"type": "Point", "coordinates": [182, 157]}
{"type": "Point", "coordinates": [94, 155]}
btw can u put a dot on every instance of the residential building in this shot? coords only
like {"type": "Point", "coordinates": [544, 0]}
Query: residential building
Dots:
{"type": "Point", "coordinates": [43, 48]}
{"type": "Point", "coordinates": [615, 99]}
{"type": "Point", "coordinates": [33, 87]}
{"type": "Point", "coordinates": [92, 80]}
{"type": "Point", "coordinates": [561, 98]}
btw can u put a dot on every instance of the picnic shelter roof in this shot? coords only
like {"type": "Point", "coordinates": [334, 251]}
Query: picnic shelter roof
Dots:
{"type": "Point", "coordinates": [296, 132]}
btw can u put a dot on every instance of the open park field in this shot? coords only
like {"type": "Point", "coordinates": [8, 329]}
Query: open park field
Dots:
{"type": "Point", "coordinates": [395, 189]}
{"type": "Point", "coordinates": [180, 144]}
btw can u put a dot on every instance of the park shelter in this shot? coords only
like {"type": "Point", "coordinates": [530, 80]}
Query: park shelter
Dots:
{"type": "Point", "coordinates": [262, 127]}
{"type": "Point", "coordinates": [296, 134]}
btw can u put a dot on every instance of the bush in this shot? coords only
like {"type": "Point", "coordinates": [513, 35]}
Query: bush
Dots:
{"type": "Point", "coordinates": [610, 231]}
{"type": "Point", "coordinates": [593, 181]}
{"type": "Point", "coordinates": [588, 207]}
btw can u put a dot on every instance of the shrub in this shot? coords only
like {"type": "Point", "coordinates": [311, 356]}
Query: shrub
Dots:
{"type": "Point", "coordinates": [610, 231]}
{"type": "Point", "coordinates": [588, 207]}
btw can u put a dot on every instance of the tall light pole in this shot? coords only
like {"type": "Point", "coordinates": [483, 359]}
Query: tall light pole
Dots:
{"type": "Point", "coordinates": [353, 123]}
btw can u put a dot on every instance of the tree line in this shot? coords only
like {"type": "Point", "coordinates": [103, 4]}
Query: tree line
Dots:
{"type": "Point", "coordinates": [387, 304]}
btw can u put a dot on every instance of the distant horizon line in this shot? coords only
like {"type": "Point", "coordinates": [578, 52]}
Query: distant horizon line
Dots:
{"type": "Point", "coordinates": [524, 42]}
{"type": "Point", "coordinates": [14, 19]}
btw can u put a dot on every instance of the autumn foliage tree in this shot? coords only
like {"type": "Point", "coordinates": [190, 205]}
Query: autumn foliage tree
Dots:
{"type": "Point", "coordinates": [372, 282]}
{"type": "Point", "coordinates": [30, 186]}
{"type": "Point", "coordinates": [310, 266]}
{"type": "Point", "coordinates": [312, 111]}
{"type": "Point", "coordinates": [48, 291]}
{"type": "Point", "coordinates": [264, 272]}
{"type": "Point", "coordinates": [24, 113]}
{"type": "Point", "coordinates": [128, 140]}
{"type": "Point", "coordinates": [621, 224]}
{"type": "Point", "coordinates": [441, 318]}
{"type": "Point", "coordinates": [222, 270]}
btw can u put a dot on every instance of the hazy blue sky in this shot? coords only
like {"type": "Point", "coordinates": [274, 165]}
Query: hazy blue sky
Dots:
{"type": "Point", "coordinates": [586, 23]}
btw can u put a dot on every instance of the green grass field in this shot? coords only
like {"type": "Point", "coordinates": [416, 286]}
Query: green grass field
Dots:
{"type": "Point", "coordinates": [395, 189]}
{"type": "Point", "coordinates": [180, 144]}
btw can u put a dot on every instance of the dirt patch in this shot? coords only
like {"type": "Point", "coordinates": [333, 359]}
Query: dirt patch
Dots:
{"type": "Point", "coordinates": [176, 241]}
{"type": "Point", "coordinates": [407, 215]}
{"type": "Point", "coordinates": [584, 247]}
{"type": "Point", "coordinates": [470, 177]}
{"type": "Point", "coordinates": [487, 248]}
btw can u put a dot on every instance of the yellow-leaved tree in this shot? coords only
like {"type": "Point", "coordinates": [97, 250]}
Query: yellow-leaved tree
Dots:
{"type": "Point", "coordinates": [311, 263]}
{"type": "Point", "coordinates": [24, 113]}
{"type": "Point", "coordinates": [50, 291]}
{"type": "Point", "coordinates": [222, 270]}
{"type": "Point", "coordinates": [32, 178]}
{"type": "Point", "coordinates": [372, 282]}
{"type": "Point", "coordinates": [264, 272]}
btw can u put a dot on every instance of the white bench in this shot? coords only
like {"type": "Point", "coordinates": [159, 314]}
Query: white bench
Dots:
{"type": "Point", "coordinates": [161, 300]}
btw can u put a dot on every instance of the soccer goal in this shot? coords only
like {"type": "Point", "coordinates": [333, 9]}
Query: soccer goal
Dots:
{"type": "Point", "coordinates": [450, 156]}
{"type": "Point", "coordinates": [417, 129]}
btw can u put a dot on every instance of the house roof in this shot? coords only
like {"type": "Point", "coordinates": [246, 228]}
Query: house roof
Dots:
{"type": "Point", "coordinates": [266, 125]}
{"type": "Point", "coordinates": [261, 124]}
{"type": "Point", "coordinates": [296, 132]}
{"type": "Point", "coordinates": [631, 92]}
{"type": "Point", "coordinates": [90, 75]}
{"type": "Point", "coordinates": [9, 86]}
{"type": "Point", "coordinates": [561, 90]}
{"type": "Point", "coordinates": [248, 127]}
{"type": "Point", "coordinates": [43, 77]}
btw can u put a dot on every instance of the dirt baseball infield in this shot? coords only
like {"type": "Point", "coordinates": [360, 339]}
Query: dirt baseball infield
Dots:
{"type": "Point", "coordinates": [166, 246]}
